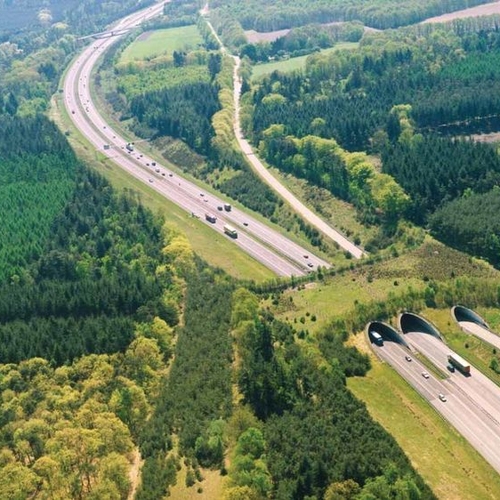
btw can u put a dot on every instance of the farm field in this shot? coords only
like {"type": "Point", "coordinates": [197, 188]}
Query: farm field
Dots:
{"type": "Point", "coordinates": [479, 10]}
{"type": "Point", "coordinates": [156, 43]}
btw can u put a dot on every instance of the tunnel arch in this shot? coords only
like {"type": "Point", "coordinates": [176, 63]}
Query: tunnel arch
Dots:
{"type": "Point", "coordinates": [462, 313]}
{"type": "Point", "coordinates": [387, 332]}
{"type": "Point", "coordinates": [411, 322]}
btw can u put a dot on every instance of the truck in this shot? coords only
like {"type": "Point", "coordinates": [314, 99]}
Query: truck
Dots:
{"type": "Point", "coordinates": [227, 207]}
{"type": "Point", "coordinates": [377, 338]}
{"type": "Point", "coordinates": [459, 363]}
{"type": "Point", "coordinates": [230, 231]}
{"type": "Point", "coordinates": [129, 147]}
{"type": "Point", "coordinates": [211, 218]}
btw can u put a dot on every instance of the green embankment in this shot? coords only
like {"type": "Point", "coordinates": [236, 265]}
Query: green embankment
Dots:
{"type": "Point", "coordinates": [210, 246]}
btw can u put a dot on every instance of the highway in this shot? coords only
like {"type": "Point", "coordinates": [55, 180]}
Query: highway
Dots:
{"type": "Point", "coordinates": [480, 426]}
{"type": "Point", "coordinates": [480, 331]}
{"type": "Point", "coordinates": [269, 247]}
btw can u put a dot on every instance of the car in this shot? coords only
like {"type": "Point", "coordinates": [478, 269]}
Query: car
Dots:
{"type": "Point", "coordinates": [408, 358]}
{"type": "Point", "coordinates": [170, 175]}
{"type": "Point", "coordinates": [147, 164]}
{"type": "Point", "coordinates": [141, 156]}
{"type": "Point", "coordinates": [201, 194]}
{"type": "Point", "coordinates": [154, 164]}
{"type": "Point", "coordinates": [450, 368]}
{"type": "Point", "coordinates": [245, 223]}
{"type": "Point", "coordinates": [442, 397]}
{"type": "Point", "coordinates": [151, 180]}
{"type": "Point", "coordinates": [425, 375]}
{"type": "Point", "coordinates": [219, 208]}
{"type": "Point", "coordinates": [73, 111]}
{"type": "Point", "coordinates": [163, 173]}
{"type": "Point", "coordinates": [306, 256]}
{"type": "Point", "coordinates": [310, 264]}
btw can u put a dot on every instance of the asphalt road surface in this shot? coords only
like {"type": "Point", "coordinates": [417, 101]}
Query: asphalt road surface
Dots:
{"type": "Point", "coordinates": [269, 247]}
{"type": "Point", "coordinates": [479, 425]}
{"type": "Point", "coordinates": [481, 332]}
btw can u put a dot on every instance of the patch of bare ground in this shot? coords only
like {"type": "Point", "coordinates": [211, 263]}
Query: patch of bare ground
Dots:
{"type": "Point", "coordinates": [134, 473]}
{"type": "Point", "coordinates": [486, 9]}
{"type": "Point", "coordinates": [489, 138]}
{"type": "Point", "coordinates": [144, 36]}
{"type": "Point", "coordinates": [256, 37]}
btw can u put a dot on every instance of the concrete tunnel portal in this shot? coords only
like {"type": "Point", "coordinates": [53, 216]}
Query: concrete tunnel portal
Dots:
{"type": "Point", "coordinates": [462, 313]}
{"type": "Point", "coordinates": [387, 332]}
{"type": "Point", "coordinates": [413, 323]}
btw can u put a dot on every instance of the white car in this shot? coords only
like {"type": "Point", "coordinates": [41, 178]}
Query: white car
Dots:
{"type": "Point", "coordinates": [425, 375]}
{"type": "Point", "coordinates": [442, 397]}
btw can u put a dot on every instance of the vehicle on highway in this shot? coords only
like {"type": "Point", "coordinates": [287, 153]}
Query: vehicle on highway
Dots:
{"type": "Point", "coordinates": [425, 375]}
{"type": "Point", "coordinates": [219, 208]}
{"type": "Point", "coordinates": [157, 170]}
{"type": "Point", "coordinates": [230, 231]}
{"type": "Point", "coordinates": [310, 264]}
{"type": "Point", "coordinates": [153, 163]}
{"type": "Point", "coordinates": [245, 224]}
{"type": "Point", "coordinates": [408, 358]}
{"type": "Point", "coordinates": [306, 256]}
{"type": "Point", "coordinates": [227, 207]}
{"type": "Point", "coordinates": [450, 368]}
{"type": "Point", "coordinates": [459, 363]}
{"type": "Point", "coordinates": [211, 218]}
{"type": "Point", "coordinates": [129, 147]}
{"type": "Point", "coordinates": [151, 180]}
{"type": "Point", "coordinates": [377, 338]}
{"type": "Point", "coordinates": [442, 397]}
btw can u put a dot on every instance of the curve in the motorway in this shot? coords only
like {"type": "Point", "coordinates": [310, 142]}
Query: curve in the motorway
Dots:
{"type": "Point", "coordinates": [413, 323]}
{"type": "Point", "coordinates": [254, 237]}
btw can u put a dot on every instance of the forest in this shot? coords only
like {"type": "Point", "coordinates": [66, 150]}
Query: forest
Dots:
{"type": "Point", "coordinates": [403, 95]}
{"type": "Point", "coordinates": [299, 447]}
{"type": "Point", "coordinates": [92, 275]}
{"type": "Point", "coordinates": [261, 15]}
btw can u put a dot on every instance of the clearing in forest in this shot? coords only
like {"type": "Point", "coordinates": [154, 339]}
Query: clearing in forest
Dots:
{"type": "Point", "coordinates": [160, 42]}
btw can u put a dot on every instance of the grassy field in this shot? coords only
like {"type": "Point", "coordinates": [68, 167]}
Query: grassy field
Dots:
{"type": "Point", "coordinates": [210, 246]}
{"type": "Point", "coordinates": [156, 43]}
{"type": "Point", "coordinates": [452, 468]}
{"type": "Point", "coordinates": [295, 62]}
{"type": "Point", "coordinates": [337, 295]}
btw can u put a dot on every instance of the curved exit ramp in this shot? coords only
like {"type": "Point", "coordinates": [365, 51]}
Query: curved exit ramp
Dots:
{"type": "Point", "coordinates": [377, 329]}
{"type": "Point", "coordinates": [470, 322]}
{"type": "Point", "coordinates": [413, 323]}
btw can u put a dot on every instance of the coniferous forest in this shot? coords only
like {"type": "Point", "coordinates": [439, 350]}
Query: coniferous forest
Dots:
{"type": "Point", "coordinates": [129, 368]}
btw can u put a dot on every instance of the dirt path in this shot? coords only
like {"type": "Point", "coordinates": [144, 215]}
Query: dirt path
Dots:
{"type": "Point", "coordinates": [134, 473]}
{"type": "Point", "coordinates": [307, 214]}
